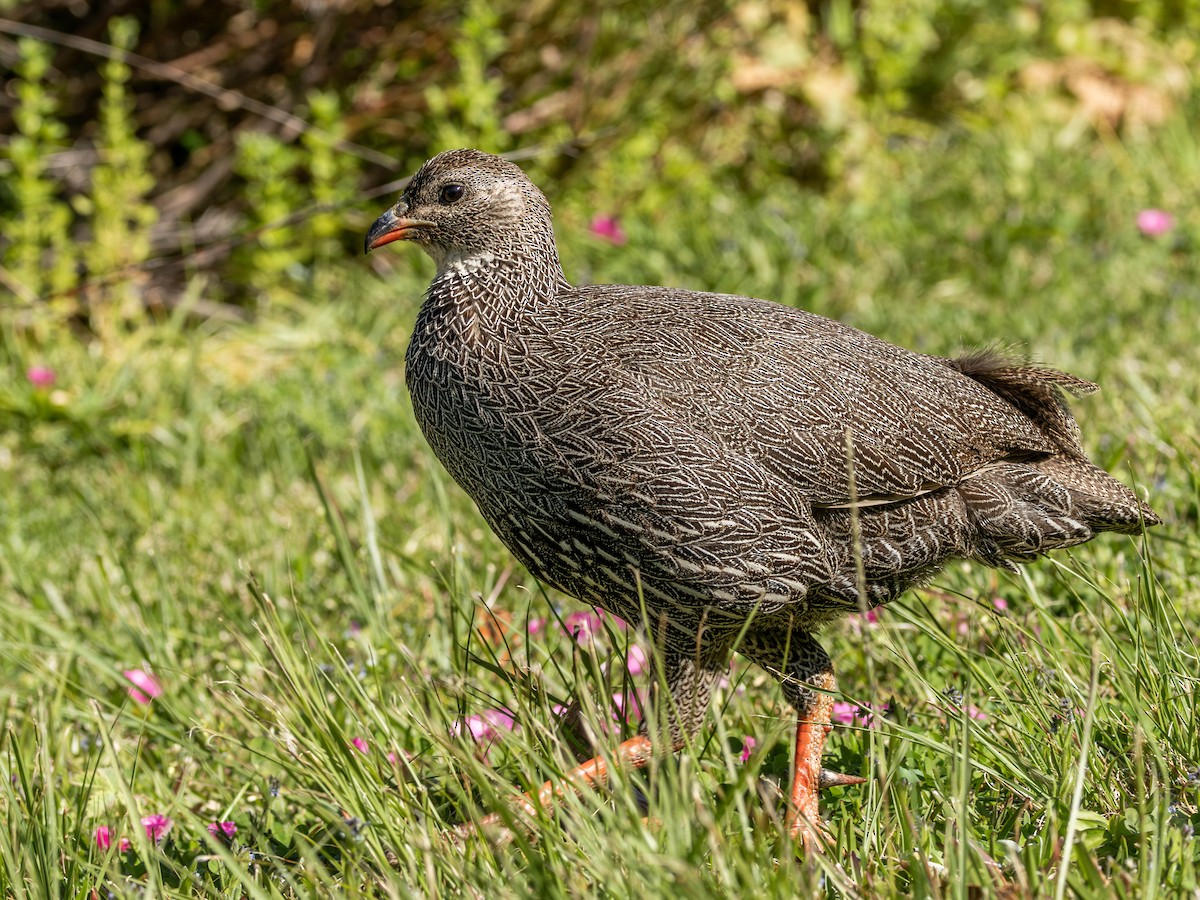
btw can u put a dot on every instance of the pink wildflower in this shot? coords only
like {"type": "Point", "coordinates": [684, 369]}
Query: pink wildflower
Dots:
{"type": "Point", "coordinates": [156, 826]}
{"type": "Point", "coordinates": [222, 829]}
{"type": "Point", "coordinates": [871, 714]}
{"type": "Point", "coordinates": [627, 706]}
{"type": "Point", "coordinates": [359, 744]}
{"type": "Point", "coordinates": [608, 229]}
{"type": "Point", "coordinates": [999, 604]}
{"type": "Point", "coordinates": [975, 712]}
{"type": "Point", "coordinates": [144, 686]}
{"type": "Point", "coordinates": [41, 377]}
{"type": "Point", "coordinates": [485, 728]}
{"type": "Point", "coordinates": [859, 620]}
{"type": "Point", "coordinates": [636, 661]}
{"type": "Point", "coordinates": [535, 625]}
{"type": "Point", "coordinates": [583, 626]}
{"type": "Point", "coordinates": [748, 745]}
{"type": "Point", "coordinates": [1155, 222]}
{"type": "Point", "coordinates": [124, 845]}
{"type": "Point", "coordinates": [844, 713]}
{"type": "Point", "coordinates": [103, 837]}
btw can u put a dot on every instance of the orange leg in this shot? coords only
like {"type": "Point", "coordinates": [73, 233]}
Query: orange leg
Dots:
{"type": "Point", "coordinates": [634, 753]}
{"type": "Point", "coordinates": [804, 821]}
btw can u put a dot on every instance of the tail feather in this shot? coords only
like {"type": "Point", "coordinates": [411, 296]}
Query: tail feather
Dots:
{"type": "Point", "coordinates": [1037, 392]}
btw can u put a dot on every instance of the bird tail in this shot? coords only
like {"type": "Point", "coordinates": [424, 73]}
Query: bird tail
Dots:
{"type": "Point", "coordinates": [1024, 507]}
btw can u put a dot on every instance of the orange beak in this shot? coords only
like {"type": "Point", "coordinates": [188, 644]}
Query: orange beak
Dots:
{"type": "Point", "coordinates": [391, 227]}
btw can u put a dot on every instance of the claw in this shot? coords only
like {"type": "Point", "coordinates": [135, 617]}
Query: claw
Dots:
{"type": "Point", "coordinates": [828, 779]}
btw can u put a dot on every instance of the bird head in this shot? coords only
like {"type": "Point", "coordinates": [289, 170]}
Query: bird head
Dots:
{"type": "Point", "coordinates": [463, 205]}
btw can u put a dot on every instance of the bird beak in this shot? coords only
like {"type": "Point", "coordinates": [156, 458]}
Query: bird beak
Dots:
{"type": "Point", "coordinates": [391, 227]}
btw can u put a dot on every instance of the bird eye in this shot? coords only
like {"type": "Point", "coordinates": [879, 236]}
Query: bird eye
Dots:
{"type": "Point", "coordinates": [451, 193]}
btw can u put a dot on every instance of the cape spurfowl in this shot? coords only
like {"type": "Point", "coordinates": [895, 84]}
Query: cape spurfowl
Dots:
{"type": "Point", "coordinates": [731, 473]}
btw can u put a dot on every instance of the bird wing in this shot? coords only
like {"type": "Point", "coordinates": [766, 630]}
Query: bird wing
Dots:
{"type": "Point", "coordinates": [806, 398]}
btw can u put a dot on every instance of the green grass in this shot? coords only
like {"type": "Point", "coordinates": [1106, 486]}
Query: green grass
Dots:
{"type": "Point", "coordinates": [250, 513]}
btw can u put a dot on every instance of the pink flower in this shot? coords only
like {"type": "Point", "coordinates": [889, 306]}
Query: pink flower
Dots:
{"type": "Point", "coordinates": [858, 620]}
{"type": "Point", "coordinates": [222, 829]}
{"type": "Point", "coordinates": [627, 706]}
{"type": "Point", "coordinates": [535, 625]}
{"type": "Point", "coordinates": [145, 687]}
{"type": "Point", "coordinates": [1154, 222]}
{"type": "Point", "coordinates": [748, 745]}
{"type": "Point", "coordinates": [103, 837]}
{"type": "Point", "coordinates": [976, 713]}
{"type": "Point", "coordinates": [844, 713]}
{"type": "Point", "coordinates": [156, 826]}
{"type": "Point", "coordinates": [41, 377]}
{"type": "Point", "coordinates": [486, 727]}
{"type": "Point", "coordinates": [999, 604]}
{"type": "Point", "coordinates": [608, 229]}
{"type": "Point", "coordinates": [124, 845]}
{"type": "Point", "coordinates": [636, 661]}
{"type": "Point", "coordinates": [583, 626]}
{"type": "Point", "coordinates": [359, 744]}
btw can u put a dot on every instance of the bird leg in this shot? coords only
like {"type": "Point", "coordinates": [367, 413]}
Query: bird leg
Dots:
{"type": "Point", "coordinates": [689, 679]}
{"type": "Point", "coordinates": [806, 673]}
{"type": "Point", "coordinates": [634, 753]}
{"type": "Point", "coordinates": [808, 777]}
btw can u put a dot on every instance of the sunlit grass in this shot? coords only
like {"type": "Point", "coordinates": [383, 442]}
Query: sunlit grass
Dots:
{"type": "Point", "coordinates": [249, 513]}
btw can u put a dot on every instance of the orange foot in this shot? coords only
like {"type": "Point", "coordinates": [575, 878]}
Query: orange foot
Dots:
{"type": "Point", "coordinates": [804, 821]}
{"type": "Point", "coordinates": [634, 753]}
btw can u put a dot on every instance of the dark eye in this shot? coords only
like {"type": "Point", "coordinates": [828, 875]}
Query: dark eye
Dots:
{"type": "Point", "coordinates": [451, 193]}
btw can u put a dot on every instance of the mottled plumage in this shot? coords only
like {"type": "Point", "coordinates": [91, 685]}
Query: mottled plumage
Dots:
{"type": "Point", "coordinates": [690, 453]}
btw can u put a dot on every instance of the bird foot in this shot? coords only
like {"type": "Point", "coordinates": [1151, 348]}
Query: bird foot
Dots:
{"type": "Point", "coordinates": [828, 779]}
{"type": "Point", "coordinates": [634, 753]}
{"type": "Point", "coordinates": [813, 834]}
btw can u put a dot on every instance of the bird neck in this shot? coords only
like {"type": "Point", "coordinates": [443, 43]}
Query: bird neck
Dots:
{"type": "Point", "coordinates": [499, 283]}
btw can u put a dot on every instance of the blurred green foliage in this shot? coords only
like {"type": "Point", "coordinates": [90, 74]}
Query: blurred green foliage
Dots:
{"type": "Point", "coordinates": [628, 106]}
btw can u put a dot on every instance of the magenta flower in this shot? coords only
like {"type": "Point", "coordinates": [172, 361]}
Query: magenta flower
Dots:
{"type": "Point", "coordinates": [636, 661]}
{"type": "Point", "coordinates": [748, 745]}
{"type": "Point", "coordinates": [859, 620]}
{"type": "Point", "coordinates": [583, 626]}
{"type": "Point", "coordinates": [627, 706]}
{"type": "Point", "coordinates": [535, 625]}
{"type": "Point", "coordinates": [843, 713]}
{"type": "Point", "coordinates": [41, 377]}
{"type": "Point", "coordinates": [144, 686]}
{"type": "Point", "coordinates": [852, 714]}
{"type": "Point", "coordinates": [124, 845]}
{"type": "Point", "coordinates": [485, 728]}
{"type": "Point", "coordinates": [359, 744]}
{"type": "Point", "coordinates": [156, 826]}
{"type": "Point", "coordinates": [103, 837]}
{"type": "Point", "coordinates": [1155, 222]}
{"type": "Point", "coordinates": [607, 228]}
{"type": "Point", "coordinates": [222, 829]}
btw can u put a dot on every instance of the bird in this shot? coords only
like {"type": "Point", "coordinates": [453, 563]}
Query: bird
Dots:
{"type": "Point", "coordinates": [732, 474]}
